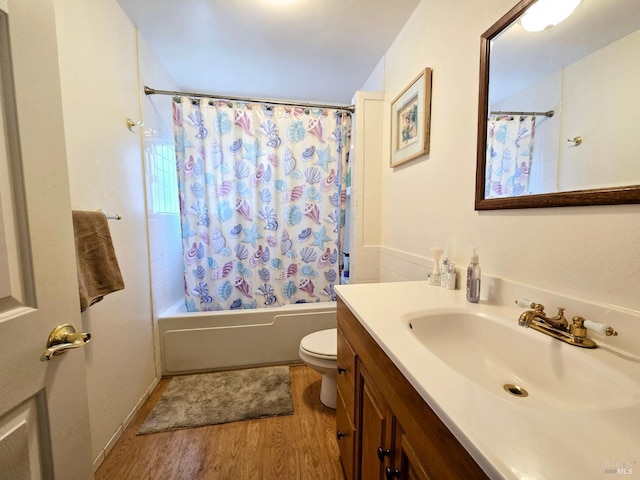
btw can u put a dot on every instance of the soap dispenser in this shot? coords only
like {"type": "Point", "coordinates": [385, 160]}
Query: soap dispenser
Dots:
{"type": "Point", "coordinates": [473, 278]}
{"type": "Point", "coordinates": [434, 277]}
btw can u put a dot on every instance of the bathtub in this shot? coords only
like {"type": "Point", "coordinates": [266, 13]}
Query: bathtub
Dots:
{"type": "Point", "coordinates": [201, 341]}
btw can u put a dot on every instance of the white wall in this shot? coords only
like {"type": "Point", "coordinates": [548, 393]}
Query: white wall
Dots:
{"type": "Point", "coordinates": [98, 73]}
{"type": "Point", "coordinates": [165, 243]}
{"type": "Point", "coordinates": [588, 252]}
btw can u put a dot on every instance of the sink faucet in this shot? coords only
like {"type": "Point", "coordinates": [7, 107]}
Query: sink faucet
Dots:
{"type": "Point", "coordinates": [537, 316]}
{"type": "Point", "coordinates": [558, 326]}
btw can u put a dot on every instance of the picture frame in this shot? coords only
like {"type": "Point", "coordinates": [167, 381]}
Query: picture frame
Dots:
{"type": "Point", "coordinates": [411, 120]}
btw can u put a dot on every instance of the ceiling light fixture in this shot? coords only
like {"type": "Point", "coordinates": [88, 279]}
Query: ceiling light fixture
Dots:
{"type": "Point", "coordinates": [546, 14]}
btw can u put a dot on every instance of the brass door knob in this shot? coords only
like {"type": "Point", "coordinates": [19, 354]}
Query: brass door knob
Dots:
{"type": "Point", "coordinates": [62, 338]}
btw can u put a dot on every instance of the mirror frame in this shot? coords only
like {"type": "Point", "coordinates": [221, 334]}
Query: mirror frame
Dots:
{"type": "Point", "coordinates": [599, 196]}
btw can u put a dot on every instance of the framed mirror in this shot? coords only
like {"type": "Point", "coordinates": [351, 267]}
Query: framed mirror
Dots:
{"type": "Point", "coordinates": [559, 107]}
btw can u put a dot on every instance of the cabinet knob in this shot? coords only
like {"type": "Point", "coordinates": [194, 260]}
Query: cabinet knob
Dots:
{"type": "Point", "coordinates": [390, 473]}
{"type": "Point", "coordinates": [339, 434]}
{"type": "Point", "coordinates": [383, 453]}
{"type": "Point", "coordinates": [341, 370]}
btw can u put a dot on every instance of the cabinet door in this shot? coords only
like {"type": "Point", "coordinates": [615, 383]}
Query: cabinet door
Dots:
{"type": "Point", "coordinates": [346, 373]}
{"type": "Point", "coordinates": [346, 434]}
{"type": "Point", "coordinates": [406, 464]}
{"type": "Point", "coordinates": [376, 433]}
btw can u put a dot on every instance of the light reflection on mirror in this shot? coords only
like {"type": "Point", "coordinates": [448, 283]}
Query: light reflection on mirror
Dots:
{"type": "Point", "coordinates": [584, 70]}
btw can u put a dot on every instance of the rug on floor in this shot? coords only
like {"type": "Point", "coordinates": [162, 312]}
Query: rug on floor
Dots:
{"type": "Point", "coordinates": [220, 397]}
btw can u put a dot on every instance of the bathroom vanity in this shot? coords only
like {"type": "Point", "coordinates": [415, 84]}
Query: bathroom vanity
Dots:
{"type": "Point", "coordinates": [384, 428]}
{"type": "Point", "coordinates": [422, 389]}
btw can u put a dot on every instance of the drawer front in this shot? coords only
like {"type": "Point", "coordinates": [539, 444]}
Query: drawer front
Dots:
{"type": "Point", "coordinates": [346, 372]}
{"type": "Point", "coordinates": [346, 434]}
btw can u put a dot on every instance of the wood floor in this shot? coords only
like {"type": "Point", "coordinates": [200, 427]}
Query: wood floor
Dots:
{"type": "Point", "coordinates": [301, 446]}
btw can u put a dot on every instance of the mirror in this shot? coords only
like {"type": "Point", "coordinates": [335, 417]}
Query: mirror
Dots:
{"type": "Point", "coordinates": [559, 109]}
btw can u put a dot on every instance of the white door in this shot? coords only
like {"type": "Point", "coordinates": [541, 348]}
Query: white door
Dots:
{"type": "Point", "coordinates": [44, 420]}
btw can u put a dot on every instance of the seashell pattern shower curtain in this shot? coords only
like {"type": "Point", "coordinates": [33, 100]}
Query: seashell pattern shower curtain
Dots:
{"type": "Point", "coordinates": [262, 200]}
{"type": "Point", "coordinates": [509, 154]}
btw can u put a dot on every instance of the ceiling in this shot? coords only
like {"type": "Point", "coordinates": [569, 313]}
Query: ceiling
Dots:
{"type": "Point", "coordinates": [306, 50]}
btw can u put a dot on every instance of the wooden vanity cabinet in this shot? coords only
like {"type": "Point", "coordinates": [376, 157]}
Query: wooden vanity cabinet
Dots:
{"type": "Point", "coordinates": [392, 432]}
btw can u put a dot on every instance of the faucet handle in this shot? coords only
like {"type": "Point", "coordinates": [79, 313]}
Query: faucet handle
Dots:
{"type": "Point", "coordinates": [577, 329]}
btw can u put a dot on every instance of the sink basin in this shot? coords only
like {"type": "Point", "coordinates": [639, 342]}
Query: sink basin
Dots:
{"type": "Point", "coordinates": [493, 352]}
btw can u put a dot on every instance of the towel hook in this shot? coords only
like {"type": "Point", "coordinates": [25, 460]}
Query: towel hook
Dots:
{"type": "Point", "coordinates": [131, 124]}
{"type": "Point", "coordinates": [575, 140]}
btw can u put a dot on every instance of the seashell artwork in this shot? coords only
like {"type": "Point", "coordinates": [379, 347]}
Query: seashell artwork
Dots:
{"type": "Point", "coordinates": [243, 208]}
{"type": "Point", "coordinates": [223, 272]}
{"type": "Point", "coordinates": [313, 195]}
{"type": "Point", "coordinates": [296, 131]}
{"type": "Point", "coordinates": [289, 289]}
{"type": "Point", "coordinates": [204, 236]}
{"type": "Point", "coordinates": [290, 271]}
{"type": "Point", "coordinates": [197, 167]}
{"type": "Point", "coordinates": [264, 274]}
{"type": "Point", "coordinates": [293, 216]}
{"type": "Point", "coordinates": [329, 292]}
{"type": "Point", "coordinates": [308, 271]}
{"type": "Point", "coordinates": [308, 286]}
{"type": "Point", "coordinates": [312, 175]}
{"type": "Point", "coordinates": [223, 189]}
{"type": "Point", "coordinates": [335, 199]}
{"type": "Point", "coordinates": [236, 304]}
{"type": "Point", "coordinates": [273, 159]}
{"type": "Point", "coordinates": [224, 290]}
{"type": "Point", "coordinates": [276, 264]}
{"type": "Point", "coordinates": [265, 195]}
{"type": "Point", "coordinates": [266, 255]}
{"type": "Point", "coordinates": [331, 275]}
{"type": "Point", "coordinates": [323, 261]}
{"type": "Point", "coordinates": [216, 154]}
{"type": "Point", "coordinates": [258, 176]}
{"type": "Point", "coordinates": [241, 251]}
{"type": "Point", "coordinates": [236, 231]}
{"type": "Point", "coordinates": [235, 147]}
{"type": "Point", "coordinates": [217, 239]}
{"type": "Point", "coordinates": [200, 252]}
{"type": "Point", "coordinates": [212, 263]}
{"type": "Point", "coordinates": [269, 128]}
{"type": "Point", "coordinates": [197, 189]}
{"type": "Point", "coordinates": [244, 286]}
{"type": "Point", "coordinates": [222, 124]}
{"type": "Point", "coordinates": [243, 120]}
{"type": "Point", "coordinates": [243, 190]}
{"type": "Point", "coordinates": [199, 272]}
{"type": "Point", "coordinates": [190, 255]}
{"type": "Point", "coordinates": [242, 270]}
{"type": "Point", "coordinates": [256, 258]}
{"type": "Point", "coordinates": [289, 162]}
{"type": "Point", "coordinates": [308, 255]}
{"type": "Point", "coordinates": [267, 175]}
{"type": "Point", "coordinates": [224, 211]}
{"type": "Point", "coordinates": [280, 185]}
{"type": "Point", "coordinates": [334, 257]}
{"type": "Point", "coordinates": [292, 195]}
{"type": "Point", "coordinates": [304, 235]}
{"type": "Point", "coordinates": [272, 241]}
{"type": "Point", "coordinates": [312, 211]}
{"type": "Point", "coordinates": [308, 153]}
{"type": "Point", "coordinates": [241, 170]}
{"type": "Point", "coordinates": [316, 128]}
{"type": "Point", "coordinates": [327, 183]}
{"type": "Point", "coordinates": [285, 242]}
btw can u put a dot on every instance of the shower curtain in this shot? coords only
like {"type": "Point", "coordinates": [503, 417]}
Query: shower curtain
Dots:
{"type": "Point", "coordinates": [509, 153]}
{"type": "Point", "coordinates": [262, 201]}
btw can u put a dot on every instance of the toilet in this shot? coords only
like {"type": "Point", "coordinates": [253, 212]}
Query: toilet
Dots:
{"type": "Point", "coordinates": [319, 350]}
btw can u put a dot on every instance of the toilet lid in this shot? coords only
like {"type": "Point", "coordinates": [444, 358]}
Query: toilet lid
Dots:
{"type": "Point", "coordinates": [324, 342]}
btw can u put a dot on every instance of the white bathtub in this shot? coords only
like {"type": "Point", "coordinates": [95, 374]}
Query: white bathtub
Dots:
{"type": "Point", "coordinates": [200, 341]}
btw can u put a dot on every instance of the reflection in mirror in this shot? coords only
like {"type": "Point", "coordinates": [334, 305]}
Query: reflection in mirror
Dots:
{"type": "Point", "coordinates": [559, 107]}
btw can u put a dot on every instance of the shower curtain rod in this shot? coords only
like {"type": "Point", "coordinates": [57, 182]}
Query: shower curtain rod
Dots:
{"type": "Point", "coordinates": [550, 113]}
{"type": "Point", "coordinates": [153, 91]}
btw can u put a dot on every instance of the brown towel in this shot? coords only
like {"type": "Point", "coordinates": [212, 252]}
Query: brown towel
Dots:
{"type": "Point", "coordinates": [98, 270]}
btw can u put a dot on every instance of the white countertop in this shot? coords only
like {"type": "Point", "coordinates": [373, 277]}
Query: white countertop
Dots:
{"type": "Point", "coordinates": [507, 437]}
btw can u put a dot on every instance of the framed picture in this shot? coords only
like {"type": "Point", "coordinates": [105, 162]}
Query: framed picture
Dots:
{"type": "Point", "coordinates": [411, 119]}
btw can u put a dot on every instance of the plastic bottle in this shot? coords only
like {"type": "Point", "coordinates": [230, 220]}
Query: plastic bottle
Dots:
{"type": "Point", "coordinates": [473, 278]}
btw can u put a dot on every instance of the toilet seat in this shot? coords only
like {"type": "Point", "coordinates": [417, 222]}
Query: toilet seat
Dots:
{"type": "Point", "coordinates": [321, 345]}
